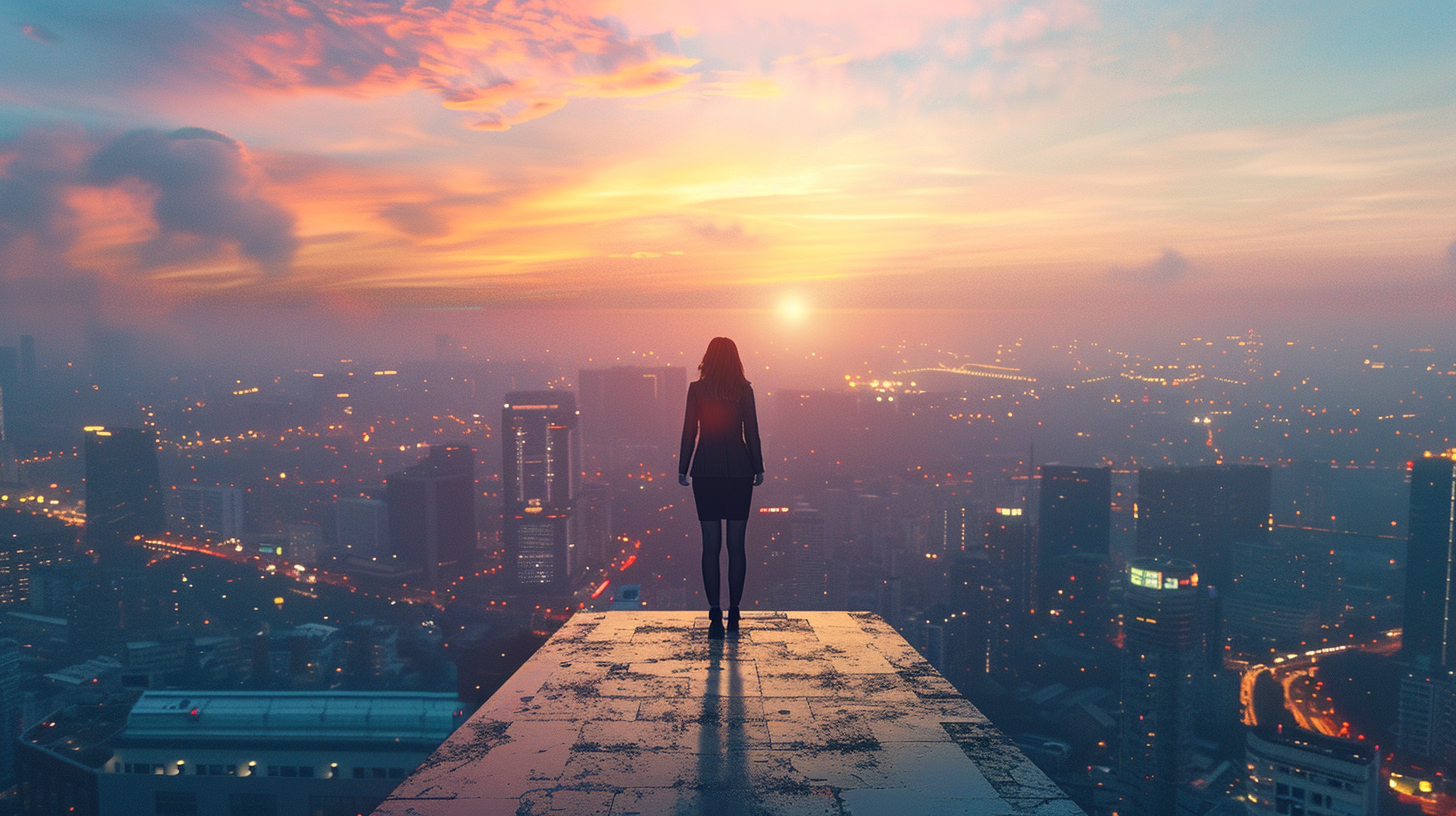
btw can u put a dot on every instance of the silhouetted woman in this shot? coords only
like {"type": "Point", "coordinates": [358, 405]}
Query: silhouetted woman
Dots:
{"type": "Point", "coordinates": [720, 438]}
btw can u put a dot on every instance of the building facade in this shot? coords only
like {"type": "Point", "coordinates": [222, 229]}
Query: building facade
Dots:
{"type": "Point", "coordinates": [1198, 513]}
{"type": "Point", "coordinates": [1165, 674]}
{"type": "Point", "coordinates": [431, 510]}
{"type": "Point", "coordinates": [1308, 773]}
{"type": "Point", "coordinates": [1429, 597]}
{"type": "Point", "coordinates": [539, 477]}
{"type": "Point", "coordinates": [183, 753]}
{"type": "Point", "coordinates": [123, 493]}
{"type": "Point", "coordinates": [1074, 518]}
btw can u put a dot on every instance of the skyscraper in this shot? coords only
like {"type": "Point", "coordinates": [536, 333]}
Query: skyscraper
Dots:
{"type": "Point", "coordinates": [431, 509]}
{"type": "Point", "coordinates": [626, 406]}
{"type": "Point", "coordinates": [28, 543]}
{"type": "Point", "coordinates": [1075, 519]}
{"type": "Point", "coordinates": [538, 485]}
{"type": "Point", "coordinates": [1165, 672]}
{"type": "Point", "coordinates": [123, 493]}
{"type": "Point", "coordinates": [1429, 552]}
{"type": "Point", "coordinates": [1197, 514]}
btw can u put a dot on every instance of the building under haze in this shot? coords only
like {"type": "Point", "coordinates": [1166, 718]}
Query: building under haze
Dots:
{"type": "Point", "coordinates": [1428, 584]}
{"type": "Point", "coordinates": [205, 510]}
{"type": "Point", "coordinates": [431, 511]}
{"type": "Point", "coordinates": [1165, 676]}
{"type": "Point", "coordinates": [539, 467]}
{"type": "Point", "coordinates": [231, 753]}
{"type": "Point", "coordinates": [28, 543]}
{"type": "Point", "coordinates": [629, 407]}
{"type": "Point", "coordinates": [1198, 513]}
{"type": "Point", "coordinates": [1074, 519]}
{"type": "Point", "coordinates": [362, 526]}
{"type": "Point", "coordinates": [123, 493]}
{"type": "Point", "coordinates": [1302, 772]}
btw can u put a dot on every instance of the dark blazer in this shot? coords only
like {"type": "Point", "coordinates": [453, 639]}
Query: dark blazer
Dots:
{"type": "Point", "coordinates": [725, 433]}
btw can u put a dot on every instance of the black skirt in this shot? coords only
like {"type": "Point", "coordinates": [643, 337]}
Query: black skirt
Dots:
{"type": "Point", "coordinates": [722, 497]}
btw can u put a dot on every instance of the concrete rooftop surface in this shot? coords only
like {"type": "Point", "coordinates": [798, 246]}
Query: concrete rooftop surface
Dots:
{"type": "Point", "coordinates": [804, 713]}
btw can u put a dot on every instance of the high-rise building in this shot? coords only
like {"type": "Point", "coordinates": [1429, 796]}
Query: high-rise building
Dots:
{"type": "Point", "coordinates": [212, 511]}
{"type": "Point", "coordinates": [630, 406]}
{"type": "Point", "coordinates": [539, 473]}
{"type": "Point", "coordinates": [431, 508]}
{"type": "Point", "coordinates": [1426, 718]}
{"type": "Point", "coordinates": [123, 493]}
{"type": "Point", "coordinates": [1429, 601]}
{"type": "Point", "coordinates": [592, 516]}
{"type": "Point", "coordinates": [1165, 674]}
{"type": "Point", "coordinates": [27, 543]}
{"type": "Point", "coordinates": [1006, 538]}
{"type": "Point", "coordinates": [1304, 772]}
{"type": "Point", "coordinates": [1198, 513]}
{"type": "Point", "coordinates": [9, 709]}
{"type": "Point", "coordinates": [27, 360]}
{"type": "Point", "coordinates": [362, 526]}
{"type": "Point", "coordinates": [1074, 519]}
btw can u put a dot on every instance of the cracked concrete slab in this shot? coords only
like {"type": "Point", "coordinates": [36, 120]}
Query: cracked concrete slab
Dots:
{"type": "Point", "coordinates": [815, 713]}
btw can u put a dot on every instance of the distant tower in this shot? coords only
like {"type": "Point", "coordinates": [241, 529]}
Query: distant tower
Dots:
{"type": "Point", "coordinates": [1198, 513]}
{"type": "Point", "coordinates": [630, 406]}
{"type": "Point", "coordinates": [538, 486]}
{"type": "Point", "coordinates": [123, 494]}
{"type": "Point", "coordinates": [1075, 519]}
{"type": "Point", "coordinates": [431, 510]}
{"type": "Point", "coordinates": [1429, 601]}
{"type": "Point", "coordinates": [1165, 673]}
{"type": "Point", "coordinates": [27, 360]}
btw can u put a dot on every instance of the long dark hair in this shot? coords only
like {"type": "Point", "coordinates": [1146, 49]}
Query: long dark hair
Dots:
{"type": "Point", "coordinates": [721, 371]}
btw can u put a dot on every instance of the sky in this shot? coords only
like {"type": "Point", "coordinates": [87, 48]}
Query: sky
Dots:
{"type": "Point", "coordinates": [163, 160]}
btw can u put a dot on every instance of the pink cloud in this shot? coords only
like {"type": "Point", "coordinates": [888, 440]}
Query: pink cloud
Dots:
{"type": "Point", "coordinates": [504, 63]}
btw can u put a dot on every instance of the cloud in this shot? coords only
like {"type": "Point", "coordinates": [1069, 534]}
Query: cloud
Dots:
{"type": "Point", "coordinates": [206, 195]}
{"type": "Point", "coordinates": [1169, 267]}
{"type": "Point", "coordinates": [40, 34]}
{"type": "Point", "coordinates": [417, 220]}
{"type": "Point", "coordinates": [199, 187]}
{"type": "Point", "coordinates": [502, 62]}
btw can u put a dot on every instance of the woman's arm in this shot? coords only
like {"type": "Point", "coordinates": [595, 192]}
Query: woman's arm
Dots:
{"type": "Point", "coordinates": [750, 433]}
{"type": "Point", "coordinates": [689, 433]}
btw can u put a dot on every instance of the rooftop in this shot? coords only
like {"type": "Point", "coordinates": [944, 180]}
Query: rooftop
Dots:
{"type": "Point", "coordinates": [804, 713]}
{"type": "Point", "coordinates": [336, 716]}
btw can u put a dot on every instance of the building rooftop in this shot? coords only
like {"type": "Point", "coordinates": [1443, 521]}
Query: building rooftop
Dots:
{"type": "Point", "coordinates": [272, 716]}
{"type": "Point", "coordinates": [804, 713]}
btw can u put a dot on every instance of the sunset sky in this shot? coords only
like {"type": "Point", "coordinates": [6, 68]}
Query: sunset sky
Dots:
{"type": "Point", "coordinates": [647, 153]}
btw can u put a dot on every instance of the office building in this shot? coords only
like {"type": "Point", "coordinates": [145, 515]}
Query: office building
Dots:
{"type": "Point", "coordinates": [1165, 674]}
{"type": "Point", "coordinates": [539, 474]}
{"type": "Point", "coordinates": [629, 406]}
{"type": "Point", "coordinates": [123, 494]}
{"type": "Point", "coordinates": [1198, 513]}
{"type": "Point", "coordinates": [1075, 517]}
{"type": "Point", "coordinates": [1304, 772]}
{"type": "Point", "coordinates": [27, 361]}
{"type": "Point", "coordinates": [592, 515]}
{"type": "Point", "coordinates": [10, 702]}
{"type": "Point", "coordinates": [1006, 539]}
{"type": "Point", "coordinates": [29, 542]}
{"type": "Point", "coordinates": [231, 753]}
{"type": "Point", "coordinates": [206, 511]}
{"type": "Point", "coordinates": [796, 564]}
{"type": "Point", "coordinates": [431, 509]}
{"type": "Point", "coordinates": [1429, 550]}
{"type": "Point", "coordinates": [1426, 718]}
{"type": "Point", "coordinates": [362, 527]}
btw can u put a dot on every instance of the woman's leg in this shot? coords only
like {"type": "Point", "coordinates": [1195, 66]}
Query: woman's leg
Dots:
{"type": "Point", "coordinates": [712, 542]}
{"type": "Point", "coordinates": [737, 561]}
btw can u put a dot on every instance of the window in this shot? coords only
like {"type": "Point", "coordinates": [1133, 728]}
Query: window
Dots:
{"type": "Point", "coordinates": [396, 773]}
{"type": "Point", "coordinates": [342, 805]}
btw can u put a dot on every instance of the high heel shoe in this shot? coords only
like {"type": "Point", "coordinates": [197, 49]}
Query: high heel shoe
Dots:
{"type": "Point", "coordinates": [715, 623]}
{"type": "Point", "coordinates": [733, 618]}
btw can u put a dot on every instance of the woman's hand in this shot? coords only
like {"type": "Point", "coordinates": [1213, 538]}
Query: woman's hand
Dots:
{"type": "Point", "coordinates": [682, 479]}
{"type": "Point", "coordinates": [757, 479]}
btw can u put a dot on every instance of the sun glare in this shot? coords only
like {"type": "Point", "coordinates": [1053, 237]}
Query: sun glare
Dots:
{"type": "Point", "coordinates": [792, 309]}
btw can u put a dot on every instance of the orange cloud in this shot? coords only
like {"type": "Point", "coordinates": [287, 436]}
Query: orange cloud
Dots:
{"type": "Point", "coordinates": [504, 62]}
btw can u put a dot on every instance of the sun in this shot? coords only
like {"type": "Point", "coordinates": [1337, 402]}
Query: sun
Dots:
{"type": "Point", "coordinates": [793, 309]}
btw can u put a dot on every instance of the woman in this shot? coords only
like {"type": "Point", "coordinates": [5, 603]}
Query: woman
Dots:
{"type": "Point", "coordinates": [720, 438]}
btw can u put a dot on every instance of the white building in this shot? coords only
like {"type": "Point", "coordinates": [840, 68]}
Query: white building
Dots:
{"type": "Point", "coordinates": [1303, 772]}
